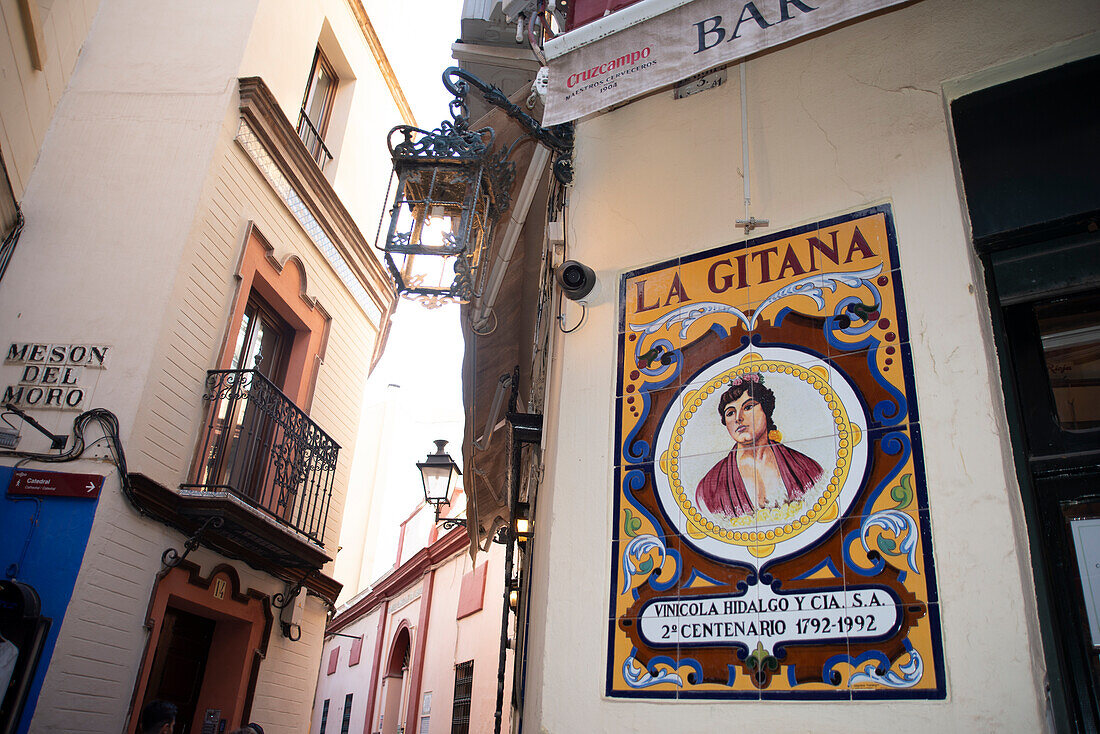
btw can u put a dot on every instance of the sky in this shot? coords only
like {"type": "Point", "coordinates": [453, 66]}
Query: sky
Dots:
{"type": "Point", "coordinates": [423, 356]}
{"type": "Point", "coordinates": [417, 36]}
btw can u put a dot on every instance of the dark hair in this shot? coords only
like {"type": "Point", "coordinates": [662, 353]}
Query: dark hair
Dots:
{"type": "Point", "coordinates": [156, 714]}
{"type": "Point", "coordinates": [756, 389]}
{"type": "Point", "coordinates": [256, 728]}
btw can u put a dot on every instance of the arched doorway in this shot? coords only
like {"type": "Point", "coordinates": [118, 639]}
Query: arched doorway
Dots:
{"type": "Point", "coordinates": [207, 638]}
{"type": "Point", "coordinates": [396, 681]}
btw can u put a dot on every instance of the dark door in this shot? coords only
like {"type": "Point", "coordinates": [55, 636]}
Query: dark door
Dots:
{"type": "Point", "coordinates": [1051, 348]}
{"type": "Point", "coordinates": [1029, 152]}
{"type": "Point", "coordinates": [180, 663]}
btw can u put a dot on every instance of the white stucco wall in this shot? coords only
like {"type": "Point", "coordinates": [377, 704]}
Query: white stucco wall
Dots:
{"type": "Point", "coordinates": [29, 96]}
{"type": "Point", "coordinates": [136, 211]}
{"type": "Point", "coordinates": [847, 119]}
{"type": "Point", "coordinates": [110, 203]}
{"type": "Point", "coordinates": [281, 47]}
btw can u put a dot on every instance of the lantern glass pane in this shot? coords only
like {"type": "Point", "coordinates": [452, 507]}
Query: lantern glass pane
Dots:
{"type": "Point", "coordinates": [437, 480]}
{"type": "Point", "coordinates": [426, 272]}
{"type": "Point", "coordinates": [428, 211]}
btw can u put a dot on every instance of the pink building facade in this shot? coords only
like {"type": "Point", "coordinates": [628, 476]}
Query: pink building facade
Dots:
{"type": "Point", "coordinates": [418, 651]}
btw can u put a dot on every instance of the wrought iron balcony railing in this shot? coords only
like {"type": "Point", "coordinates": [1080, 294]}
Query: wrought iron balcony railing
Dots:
{"type": "Point", "coordinates": [313, 141]}
{"type": "Point", "coordinates": [262, 448]}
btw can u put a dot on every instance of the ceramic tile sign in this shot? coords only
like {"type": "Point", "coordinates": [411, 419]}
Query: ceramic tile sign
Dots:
{"type": "Point", "coordinates": [771, 534]}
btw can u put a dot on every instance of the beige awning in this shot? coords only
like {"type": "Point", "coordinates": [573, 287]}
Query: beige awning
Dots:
{"type": "Point", "coordinates": [497, 327]}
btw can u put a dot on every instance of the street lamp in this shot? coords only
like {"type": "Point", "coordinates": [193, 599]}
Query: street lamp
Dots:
{"type": "Point", "coordinates": [440, 474]}
{"type": "Point", "coordinates": [522, 523]}
{"type": "Point", "coordinates": [452, 188]}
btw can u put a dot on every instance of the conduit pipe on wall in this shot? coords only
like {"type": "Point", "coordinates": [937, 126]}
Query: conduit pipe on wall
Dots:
{"type": "Point", "coordinates": [517, 215]}
{"type": "Point", "coordinates": [745, 138]}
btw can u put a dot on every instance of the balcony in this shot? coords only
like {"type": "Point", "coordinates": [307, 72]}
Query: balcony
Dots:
{"type": "Point", "coordinates": [312, 140]}
{"type": "Point", "coordinates": [263, 466]}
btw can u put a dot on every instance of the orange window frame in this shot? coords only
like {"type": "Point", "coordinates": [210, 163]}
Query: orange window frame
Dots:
{"type": "Point", "coordinates": [282, 288]}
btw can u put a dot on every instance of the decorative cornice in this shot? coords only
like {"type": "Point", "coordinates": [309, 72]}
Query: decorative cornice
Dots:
{"type": "Point", "coordinates": [383, 62]}
{"type": "Point", "coordinates": [449, 545]}
{"type": "Point", "coordinates": [265, 117]}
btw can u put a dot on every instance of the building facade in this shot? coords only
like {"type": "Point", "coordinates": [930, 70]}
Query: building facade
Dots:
{"type": "Point", "coordinates": [419, 649]}
{"type": "Point", "coordinates": [817, 449]}
{"type": "Point", "coordinates": [193, 307]}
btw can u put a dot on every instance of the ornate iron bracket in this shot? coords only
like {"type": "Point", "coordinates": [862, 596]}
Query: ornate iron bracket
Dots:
{"type": "Point", "coordinates": [282, 601]}
{"type": "Point", "coordinates": [449, 523]}
{"type": "Point", "coordinates": [558, 138]}
{"type": "Point", "coordinates": [172, 558]}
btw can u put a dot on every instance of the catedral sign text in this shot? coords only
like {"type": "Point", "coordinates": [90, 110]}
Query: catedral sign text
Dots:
{"type": "Point", "coordinates": [52, 375]}
{"type": "Point", "coordinates": [674, 45]}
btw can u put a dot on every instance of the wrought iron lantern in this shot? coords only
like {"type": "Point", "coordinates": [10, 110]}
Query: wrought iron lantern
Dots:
{"type": "Point", "coordinates": [522, 523]}
{"type": "Point", "coordinates": [452, 188]}
{"type": "Point", "coordinates": [440, 474]}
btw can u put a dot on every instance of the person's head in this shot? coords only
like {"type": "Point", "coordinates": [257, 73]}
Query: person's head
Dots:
{"type": "Point", "coordinates": [157, 717]}
{"type": "Point", "coordinates": [746, 408]}
{"type": "Point", "coordinates": [256, 728]}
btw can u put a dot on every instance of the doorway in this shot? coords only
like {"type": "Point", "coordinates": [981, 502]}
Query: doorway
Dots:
{"type": "Point", "coordinates": [395, 683]}
{"type": "Point", "coordinates": [1051, 349]}
{"type": "Point", "coordinates": [1028, 152]}
{"type": "Point", "coordinates": [207, 639]}
{"type": "Point", "coordinates": [179, 663]}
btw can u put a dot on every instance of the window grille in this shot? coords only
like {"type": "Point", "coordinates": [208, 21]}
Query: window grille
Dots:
{"type": "Point", "coordinates": [324, 717]}
{"type": "Point", "coordinates": [464, 685]}
{"type": "Point", "coordinates": [346, 724]}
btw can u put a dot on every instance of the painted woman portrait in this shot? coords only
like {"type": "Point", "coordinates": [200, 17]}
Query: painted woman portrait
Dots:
{"type": "Point", "coordinates": [759, 471]}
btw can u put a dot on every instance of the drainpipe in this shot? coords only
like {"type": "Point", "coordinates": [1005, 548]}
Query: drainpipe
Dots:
{"type": "Point", "coordinates": [376, 665]}
{"type": "Point", "coordinates": [412, 713]}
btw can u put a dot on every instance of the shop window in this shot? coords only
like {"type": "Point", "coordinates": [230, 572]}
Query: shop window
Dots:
{"type": "Point", "coordinates": [317, 108]}
{"type": "Point", "coordinates": [1069, 333]}
{"type": "Point", "coordinates": [324, 717]}
{"type": "Point", "coordinates": [464, 685]}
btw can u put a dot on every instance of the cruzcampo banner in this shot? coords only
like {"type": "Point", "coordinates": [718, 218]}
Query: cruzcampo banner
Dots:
{"type": "Point", "coordinates": [771, 534]}
{"type": "Point", "coordinates": [678, 43]}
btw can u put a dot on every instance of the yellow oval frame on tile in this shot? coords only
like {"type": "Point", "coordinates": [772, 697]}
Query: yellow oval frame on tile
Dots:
{"type": "Point", "coordinates": [793, 518]}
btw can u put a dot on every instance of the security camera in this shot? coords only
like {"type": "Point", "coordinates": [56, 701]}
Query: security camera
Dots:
{"type": "Point", "coordinates": [577, 280]}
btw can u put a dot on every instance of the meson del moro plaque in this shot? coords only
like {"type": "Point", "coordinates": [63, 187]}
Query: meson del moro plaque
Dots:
{"type": "Point", "coordinates": [771, 535]}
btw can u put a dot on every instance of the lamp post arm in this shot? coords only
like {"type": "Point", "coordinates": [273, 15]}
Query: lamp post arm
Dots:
{"type": "Point", "coordinates": [560, 141]}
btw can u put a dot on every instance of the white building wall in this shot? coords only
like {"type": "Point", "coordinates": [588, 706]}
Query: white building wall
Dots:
{"type": "Point", "coordinates": [95, 663]}
{"type": "Point", "coordinates": [846, 119]}
{"type": "Point", "coordinates": [280, 48]}
{"type": "Point", "coordinates": [136, 212]}
{"type": "Point", "coordinates": [29, 96]}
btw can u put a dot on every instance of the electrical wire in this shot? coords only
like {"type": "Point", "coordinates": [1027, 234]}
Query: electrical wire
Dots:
{"type": "Point", "coordinates": [493, 313]}
{"type": "Point", "coordinates": [561, 317]}
{"type": "Point", "coordinates": [108, 423]}
{"type": "Point", "coordinates": [535, 46]}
